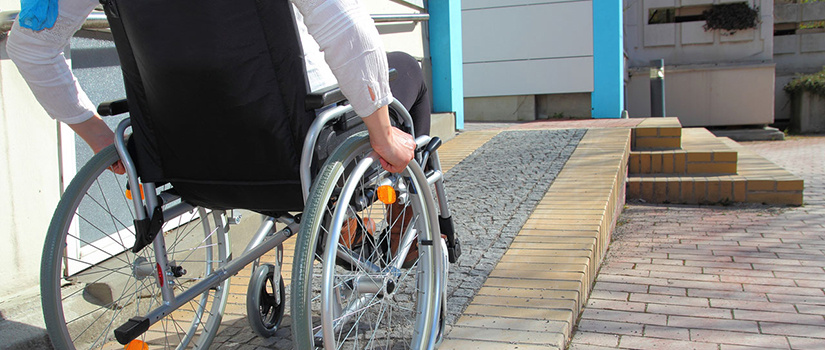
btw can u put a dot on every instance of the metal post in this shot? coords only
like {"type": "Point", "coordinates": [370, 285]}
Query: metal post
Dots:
{"type": "Point", "coordinates": [657, 88]}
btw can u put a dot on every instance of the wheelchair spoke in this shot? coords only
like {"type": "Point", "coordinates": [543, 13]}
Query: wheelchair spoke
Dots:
{"type": "Point", "coordinates": [369, 295]}
{"type": "Point", "coordinates": [117, 285]}
{"type": "Point", "coordinates": [97, 248]}
{"type": "Point", "coordinates": [113, 218]}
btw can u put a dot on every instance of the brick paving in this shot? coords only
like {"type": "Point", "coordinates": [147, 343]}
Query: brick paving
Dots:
{"type": "Point", "coordinates": [713, 277]}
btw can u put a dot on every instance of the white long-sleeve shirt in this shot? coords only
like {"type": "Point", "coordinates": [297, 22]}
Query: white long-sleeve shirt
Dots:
{"type": "Point", "coordinates": [352, 55]}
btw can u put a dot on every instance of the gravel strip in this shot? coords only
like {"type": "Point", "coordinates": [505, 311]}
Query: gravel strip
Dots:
{"type": "Point", "coordinates": [492, 193]}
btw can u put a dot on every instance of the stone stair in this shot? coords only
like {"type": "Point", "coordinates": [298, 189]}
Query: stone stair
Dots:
{"type": "Point", "coordinates": [671, 164]}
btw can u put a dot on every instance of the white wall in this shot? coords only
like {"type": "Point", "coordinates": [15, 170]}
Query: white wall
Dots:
{"type": "Point", "coordinates": [402, 36]}
{"type": "Point", "coordinates": [709, 95]}
{"type": "Point", "coordinates": [29, 177]}
{"type": "Point", "coordinates": [527, 47]}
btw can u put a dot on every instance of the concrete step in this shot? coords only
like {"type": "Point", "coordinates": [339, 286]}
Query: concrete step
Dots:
{"type": "Point", "coordinates": [701, 153]}
{"type": "Point", "coordinates": [757, 180]}
{"type": "Point", "coordinates": [443, 126]}
{"type": "Point", "coordinates": [669, 164]}
{"type": "Point", "coordinates": [657, 134]}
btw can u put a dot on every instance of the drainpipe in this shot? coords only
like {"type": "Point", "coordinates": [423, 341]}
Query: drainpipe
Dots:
{"type": "Point", "coordinates": [657, 88]}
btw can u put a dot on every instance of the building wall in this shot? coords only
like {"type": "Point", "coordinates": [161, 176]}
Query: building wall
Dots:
{"type": "Point", "coordinates": [709, 95]}
{"type": "Point", "coordinates": [572, 105]}
{"type": "Point", "coordinates": [515, 50]}
{"type": "Point", "coordinates": [29, 177]}
{"type": "Point", "coordinates": [799, 53]}
{"type": "Point", "coordinates": [521, 47]}
{"type": "Point", "coordinates": [688, 43]}
{"type": "Point", "coordinates": [709, 75]}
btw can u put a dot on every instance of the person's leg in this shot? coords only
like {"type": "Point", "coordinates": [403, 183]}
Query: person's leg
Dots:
{"type": "Point", "coordinates": [409, 88]}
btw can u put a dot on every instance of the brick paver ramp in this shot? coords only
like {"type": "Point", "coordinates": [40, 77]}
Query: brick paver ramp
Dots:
{"type": "Point", "coordinates": [712, 277]}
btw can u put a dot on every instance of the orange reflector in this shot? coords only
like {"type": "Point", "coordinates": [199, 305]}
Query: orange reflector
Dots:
{"type": "Point", "coordinates": [129, 193]}
{"type": "Point", "coordinates": [386, 194]}
{"type": "Point", "coordinates": [136, 345]}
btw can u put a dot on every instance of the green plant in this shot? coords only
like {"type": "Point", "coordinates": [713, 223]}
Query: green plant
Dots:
{"type": "Point", "coordinates": [812, 25]}
{"type": "Point", "coordinates": [731, 17]}
{"type": "Point", "coordinates": [814, 83]}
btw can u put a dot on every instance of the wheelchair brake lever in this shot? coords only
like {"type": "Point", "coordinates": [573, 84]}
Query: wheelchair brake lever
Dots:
{"type": "Point", "coordinates": [431, 147]}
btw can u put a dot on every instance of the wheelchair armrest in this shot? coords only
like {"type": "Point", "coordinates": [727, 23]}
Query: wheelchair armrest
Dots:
{"type": "Point", "coordinates": [324, 97]}
{"type": "Point", "coordinates": [331, 95]}
{"type": "Point", "coordinates": [115, 107]}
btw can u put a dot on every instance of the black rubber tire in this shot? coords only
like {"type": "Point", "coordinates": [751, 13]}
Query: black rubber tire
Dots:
{"type": "Point", "coordinates": [264, 310]}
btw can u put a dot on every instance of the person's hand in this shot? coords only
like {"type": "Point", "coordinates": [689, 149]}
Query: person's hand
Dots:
{"type": "Point", "coordinates": [98, 136]}
{"type": "Point", "coordinates": [395, 147]}
{"type": "Point", "coordinates": [396, 152]}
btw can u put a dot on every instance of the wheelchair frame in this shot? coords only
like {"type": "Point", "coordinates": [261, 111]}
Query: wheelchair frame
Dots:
{"type": "Point", "coordinates": [266, 238]}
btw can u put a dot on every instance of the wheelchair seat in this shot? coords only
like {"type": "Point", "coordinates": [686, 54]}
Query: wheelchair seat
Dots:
{"type": "Point", "coordinates": [216, 91]}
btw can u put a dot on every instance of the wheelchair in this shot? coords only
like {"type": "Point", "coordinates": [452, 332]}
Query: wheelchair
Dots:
{"type": "Point", "coordinates": [144, 259]}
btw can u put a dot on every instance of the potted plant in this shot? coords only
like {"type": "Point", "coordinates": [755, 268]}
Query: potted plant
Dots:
{"type": "Point", "coordinates": [731, 17]}
{"type": "Point", "coordinates": [807, 102]}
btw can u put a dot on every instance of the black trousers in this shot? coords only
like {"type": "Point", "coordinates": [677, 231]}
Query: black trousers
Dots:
{"type": "Point", "coordinates": [409, 88]}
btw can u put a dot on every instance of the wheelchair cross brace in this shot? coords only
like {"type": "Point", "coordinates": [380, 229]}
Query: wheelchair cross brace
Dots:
{"type": "Point", "coordinates": [265, 240]}
{"type": "Point", "coordinates": [138, 325]}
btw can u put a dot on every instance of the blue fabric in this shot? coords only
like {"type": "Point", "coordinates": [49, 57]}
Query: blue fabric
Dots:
{"type": "Point", "coordinates": [37, 14]}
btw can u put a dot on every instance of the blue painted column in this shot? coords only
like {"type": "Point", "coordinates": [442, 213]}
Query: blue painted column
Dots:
{"type": "Point", "coordinates": [447, 59]}
{"type": "Point", "coordinates": [607, 99]}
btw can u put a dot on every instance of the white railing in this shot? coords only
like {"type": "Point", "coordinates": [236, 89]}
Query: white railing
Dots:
{"type": "Point", "coordinates": [97, 20]}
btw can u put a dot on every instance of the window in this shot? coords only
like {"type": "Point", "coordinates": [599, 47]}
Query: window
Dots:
{"type": "Point", "coordinates": [677, 14]}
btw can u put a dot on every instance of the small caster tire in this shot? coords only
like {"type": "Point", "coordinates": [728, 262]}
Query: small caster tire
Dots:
{"type": "Point", "coordinates": [265, 301]}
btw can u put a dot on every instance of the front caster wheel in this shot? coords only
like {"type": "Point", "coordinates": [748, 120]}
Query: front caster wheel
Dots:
{"type": "Point", "coordinates": [265, 300]}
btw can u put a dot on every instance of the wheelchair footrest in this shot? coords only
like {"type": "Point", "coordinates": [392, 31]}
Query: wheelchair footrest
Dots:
{"type": "Point", "coordinates": [453, 244]}
{"type": "Point", "coordinates": [131, 329]}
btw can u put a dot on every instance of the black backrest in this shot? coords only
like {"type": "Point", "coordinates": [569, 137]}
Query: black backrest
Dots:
{"type": "Point", "coordinates": [216, 92]}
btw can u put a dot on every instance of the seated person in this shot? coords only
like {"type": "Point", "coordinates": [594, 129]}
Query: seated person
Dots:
{"type": "Point", "coordinates": [344, 46]}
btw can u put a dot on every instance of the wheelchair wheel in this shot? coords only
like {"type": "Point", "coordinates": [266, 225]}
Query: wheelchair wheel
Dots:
{"type": "Point", "coordinates": [91, 282]}
{"type": "Point", "coordinates": [265, 300]}
{"type": "Point", "coordinates": [381, 287]}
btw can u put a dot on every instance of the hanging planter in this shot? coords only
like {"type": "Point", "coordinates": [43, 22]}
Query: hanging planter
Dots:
{"type": "Point", "coordinates": [731, 17]}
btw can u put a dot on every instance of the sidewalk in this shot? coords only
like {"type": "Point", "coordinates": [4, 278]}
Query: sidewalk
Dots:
{"type": "Point", "coordinates": [712, 277]}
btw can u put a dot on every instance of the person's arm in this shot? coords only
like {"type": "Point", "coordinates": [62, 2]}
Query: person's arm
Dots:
{"type": "Point", "coordinates": [95, 132]}
{"type": "Point", "coordinates": [38, 56]}
{"type": "Point", "coordinates": [353, 50]}
{"type": "Point", "coordinates": [98, 135]}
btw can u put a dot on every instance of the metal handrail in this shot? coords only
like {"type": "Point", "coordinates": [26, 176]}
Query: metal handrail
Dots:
{"type": "Point", "coordinates": [412, 17]}
{"type": "Point", "coordinates": [97, 20]}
